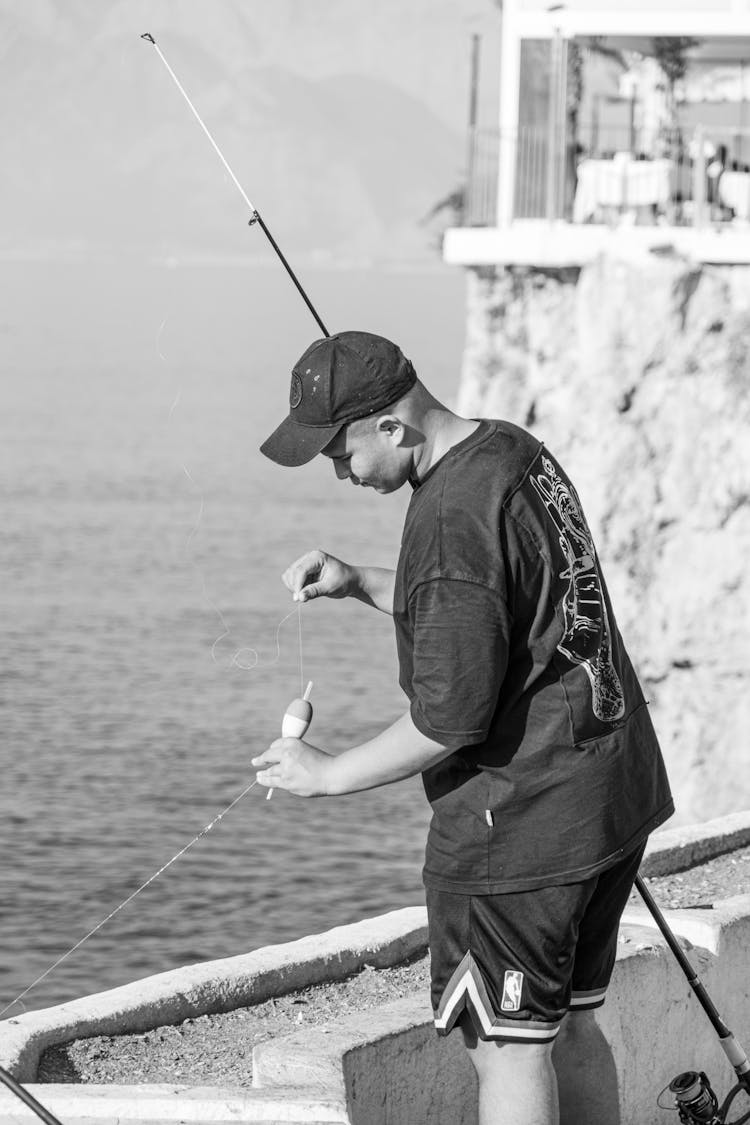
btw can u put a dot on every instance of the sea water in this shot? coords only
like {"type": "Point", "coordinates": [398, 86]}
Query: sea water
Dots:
{"type": "Point", "coordinates": [143, 539]}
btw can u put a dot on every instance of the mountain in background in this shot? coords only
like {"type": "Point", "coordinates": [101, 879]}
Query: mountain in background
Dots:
{"type": "Point", "coordinates": [343, 120]}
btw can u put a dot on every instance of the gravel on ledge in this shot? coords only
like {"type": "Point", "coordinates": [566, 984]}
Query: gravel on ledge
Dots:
{"type": "Point", "coordinates": [216, 1050]}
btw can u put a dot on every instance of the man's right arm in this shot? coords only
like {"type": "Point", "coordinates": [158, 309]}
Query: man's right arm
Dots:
{"type": "Point", "coordinates": [317, 574]}
{"type": "Point", "coordinates": [374, 587]}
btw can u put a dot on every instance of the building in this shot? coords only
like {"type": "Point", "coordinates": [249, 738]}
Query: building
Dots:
{"type": "Point", "coordinates": [546, 186]}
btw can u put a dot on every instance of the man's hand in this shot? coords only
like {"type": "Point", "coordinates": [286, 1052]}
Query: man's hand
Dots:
{"type": "Point", "coordinates": [319, 575]}
{"type": "Point", "coordinates": [295, 766]}
{"type": "Point", "coordinates": [399, 751]}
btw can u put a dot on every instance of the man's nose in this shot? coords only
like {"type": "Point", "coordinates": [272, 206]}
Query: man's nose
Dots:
{"type": "Point", "coordinates": [342, 469]}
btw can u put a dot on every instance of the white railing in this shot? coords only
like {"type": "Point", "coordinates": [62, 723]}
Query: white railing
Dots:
{"type": "Point", "coordinates": [690, 178]}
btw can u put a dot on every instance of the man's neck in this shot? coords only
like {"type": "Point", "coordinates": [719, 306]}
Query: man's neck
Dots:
{"type": "Point", "coordinates": [442, 429]}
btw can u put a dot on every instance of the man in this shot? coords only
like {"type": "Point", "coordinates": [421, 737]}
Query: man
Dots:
{"type": "Point", "coordinates": [526, 719]}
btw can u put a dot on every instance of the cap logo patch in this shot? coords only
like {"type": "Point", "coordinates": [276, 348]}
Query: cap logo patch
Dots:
{"type": "Point", "coordinates": [295, 392]}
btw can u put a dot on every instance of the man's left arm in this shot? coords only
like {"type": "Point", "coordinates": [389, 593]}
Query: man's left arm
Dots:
{"type": "Point", "coordinates": [460, 648]}
{"type": "Point", "coordinates": [398, 752]}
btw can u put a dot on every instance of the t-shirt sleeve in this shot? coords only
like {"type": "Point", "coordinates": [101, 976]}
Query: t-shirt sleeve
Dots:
{"type": "Point", "coordinates": [461, 640]}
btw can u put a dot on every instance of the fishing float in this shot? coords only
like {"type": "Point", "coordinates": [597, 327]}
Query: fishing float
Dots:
{"type": "Point", "coordinates": [297, 718]}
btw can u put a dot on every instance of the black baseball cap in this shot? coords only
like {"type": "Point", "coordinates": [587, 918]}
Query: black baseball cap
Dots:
{"type": "Point", "coordinates": [337, 380]}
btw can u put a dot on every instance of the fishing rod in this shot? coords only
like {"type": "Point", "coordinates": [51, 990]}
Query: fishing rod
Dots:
{"type": "Point", "coordinates": [255, 216]}
{"type": "Point", "coordinates": [696, 1102]}
{"type": "Point", "coordinates": [27, 1098]}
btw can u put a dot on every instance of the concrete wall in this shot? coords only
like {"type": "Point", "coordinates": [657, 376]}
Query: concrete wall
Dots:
{"type": "Point", "coordinates": [397, 1072]}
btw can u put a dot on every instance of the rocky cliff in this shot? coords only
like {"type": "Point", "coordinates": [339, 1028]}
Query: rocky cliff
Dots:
{"type": "Point", "coordinates": [635, 371]}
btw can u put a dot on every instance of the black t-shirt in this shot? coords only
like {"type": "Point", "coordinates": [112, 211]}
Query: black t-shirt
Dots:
{"type": "Point", "coordinates": [510, 655]}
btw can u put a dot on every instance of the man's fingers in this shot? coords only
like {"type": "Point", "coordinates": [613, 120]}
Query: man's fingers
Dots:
{"type": "Point", "coordinates": [273, 755]}
{"type": "Point", "coordinates": [307, 593]}
{"type": "Point", "coordinates": [292, 765]}
{"type": "Point", "coordinates": [304, 569]}
{"type": "Point", "coordinates": [308, 563]}
{"type": "Point", "coordinates": [300, 582]}
{"type": "Point", "coordinates": [270, 776]}
{"type": "Point", "coordinates": [269, 757]}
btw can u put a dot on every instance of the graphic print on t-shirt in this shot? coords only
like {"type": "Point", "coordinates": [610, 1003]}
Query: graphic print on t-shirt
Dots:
{"type": "Point", "coordinates": [586, 640]}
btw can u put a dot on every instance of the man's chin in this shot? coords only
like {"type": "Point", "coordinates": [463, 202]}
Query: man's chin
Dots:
{"type": "Point", "coordinates": [383, 487]}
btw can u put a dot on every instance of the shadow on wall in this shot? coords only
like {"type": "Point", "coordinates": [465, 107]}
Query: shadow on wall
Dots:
{"type": "Point", "coordinates": [417, 1077]}
{"type": "Point", "coordinates": [586, 1072]}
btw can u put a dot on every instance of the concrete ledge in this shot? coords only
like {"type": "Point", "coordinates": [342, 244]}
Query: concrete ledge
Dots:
{"type": "Point", "coordinates": [179, 1104]}
{"type": "Point", "coordinates": [540, 244]}
{"type": "Point", "coordinates": [677, 849]}
{"type": "Point", "coordinates": [214, 986]}
{"type": "Point", "coordinates": [394, 1067]}
{"type": "Point", "coordinates": [388, 1064]}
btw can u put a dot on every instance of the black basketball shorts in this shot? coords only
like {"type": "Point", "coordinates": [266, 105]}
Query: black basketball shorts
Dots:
{"type": "Point", "coordinates": [516, 963]}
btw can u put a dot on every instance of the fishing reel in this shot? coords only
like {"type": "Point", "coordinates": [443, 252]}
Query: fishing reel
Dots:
{"type": "Point", "coordinates": [696, 1102]}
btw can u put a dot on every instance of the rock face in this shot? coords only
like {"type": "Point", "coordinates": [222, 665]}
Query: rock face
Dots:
{"type": "Point", "coordinates": [636, 373]}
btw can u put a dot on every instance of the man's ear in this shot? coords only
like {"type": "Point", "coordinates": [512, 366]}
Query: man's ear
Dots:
{"type": "Point", "coordinates": [391, 425]}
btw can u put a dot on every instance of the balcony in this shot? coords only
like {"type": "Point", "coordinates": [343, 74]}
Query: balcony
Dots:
{"type": "Point", "coordinates": [612, 118]}
{"type": "Point", "coordinates": [691, 191]}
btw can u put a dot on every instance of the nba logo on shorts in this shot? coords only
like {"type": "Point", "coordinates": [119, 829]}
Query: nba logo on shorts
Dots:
{"type": "Point", "coordinates": [512, 985]}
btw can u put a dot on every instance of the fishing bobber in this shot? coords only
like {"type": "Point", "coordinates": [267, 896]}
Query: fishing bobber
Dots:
{"type": "Point", "coordinates": [296, 720]}
{"type": "Point", "coordinates": [297, 716]}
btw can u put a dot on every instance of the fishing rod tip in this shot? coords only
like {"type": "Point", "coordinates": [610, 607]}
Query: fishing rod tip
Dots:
{"type": "Point", "coordinates": [149, 38]}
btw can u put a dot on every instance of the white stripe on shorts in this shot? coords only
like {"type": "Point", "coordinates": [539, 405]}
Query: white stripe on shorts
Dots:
{"type": "Point", "coordinates": [592, 999]}
{"type": "Point", "coordinates": [465, 987]}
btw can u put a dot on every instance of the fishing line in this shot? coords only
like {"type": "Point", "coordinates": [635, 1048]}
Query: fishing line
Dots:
{"type": "Point", "coordinates": [203, 832]}
{"type": "Point", "coordinates": [152, 878]}
{"type": "Point", "coordinates": [159, 334]}
{"type": "Point", "coordinates": [301, 671]}
{"type": "Point", "coordinates": [208, 827]}
{"type": "Point", "coordinates": [246, 658]}
{"type": "Point", "coordinates": [255, 216]}
{"type": "Point", "coordinates": [236, 659]}
{"type": "Point", "coordinates": [269, 663]}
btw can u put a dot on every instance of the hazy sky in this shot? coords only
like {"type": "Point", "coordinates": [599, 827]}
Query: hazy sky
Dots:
{"type": "Point", "coordinates": [343, 119]}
